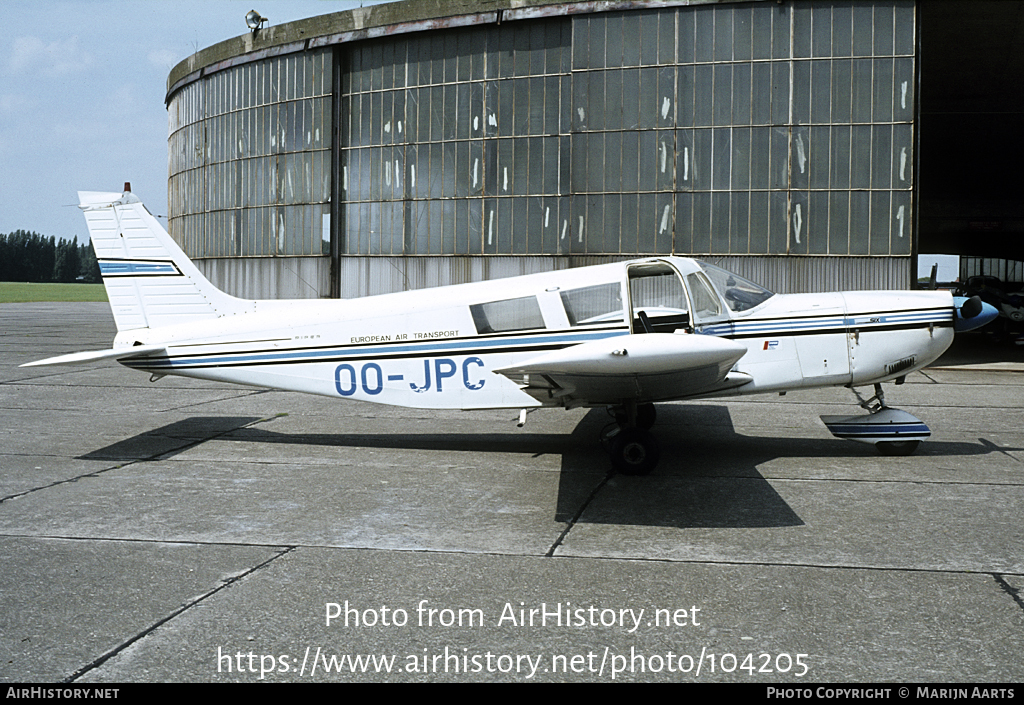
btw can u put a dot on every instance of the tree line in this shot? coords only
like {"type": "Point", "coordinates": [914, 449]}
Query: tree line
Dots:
{"type": "Point", "coordinates": [31, 257]}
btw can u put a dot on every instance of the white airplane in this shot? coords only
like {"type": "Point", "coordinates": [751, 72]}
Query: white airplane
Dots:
{"type": "Point", "coordinates": [623, 335]}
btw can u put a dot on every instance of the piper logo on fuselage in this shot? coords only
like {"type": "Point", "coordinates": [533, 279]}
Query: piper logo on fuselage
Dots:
{"type": "Point", "coordinates": [770, 344]}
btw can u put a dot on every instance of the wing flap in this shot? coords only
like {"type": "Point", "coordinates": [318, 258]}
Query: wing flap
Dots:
{"type": "Point", "coordinates": [651, 367]}
{"type": "Point", "coordinates": [82, 358]}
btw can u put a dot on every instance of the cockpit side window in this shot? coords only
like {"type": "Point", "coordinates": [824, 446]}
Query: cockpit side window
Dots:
{"type": "Point", "coordinates": [705, 303]}
{"type": "Point", "coordinates": [740, 294]}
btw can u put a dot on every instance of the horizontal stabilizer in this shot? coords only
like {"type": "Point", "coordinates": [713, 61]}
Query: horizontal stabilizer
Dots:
{"type": "Point", "coordinates": [81, 358]}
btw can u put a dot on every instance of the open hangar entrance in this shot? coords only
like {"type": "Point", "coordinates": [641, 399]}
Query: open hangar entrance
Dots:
{"type": "Point", "coordinates": [971, 141]}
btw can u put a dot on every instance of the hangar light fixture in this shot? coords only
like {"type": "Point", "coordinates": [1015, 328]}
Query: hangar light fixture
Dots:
{"type": "Point", "coordinates": [254, 20]}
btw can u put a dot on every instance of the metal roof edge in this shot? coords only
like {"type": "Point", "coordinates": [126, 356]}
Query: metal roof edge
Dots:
{"type": "Point", "coordinates": [386, 19]}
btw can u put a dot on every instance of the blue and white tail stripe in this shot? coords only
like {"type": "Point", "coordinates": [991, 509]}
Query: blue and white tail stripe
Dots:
{"type": "Point", "coordinates": [138, 268]}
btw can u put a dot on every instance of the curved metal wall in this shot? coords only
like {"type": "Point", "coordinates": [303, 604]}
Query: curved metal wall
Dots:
{"type": "Point", "coordinates": [732, 130]}
{"type": "Point", "coordinates": [728, 129]}
{"type": "Point", "coordinates": [249, 159]}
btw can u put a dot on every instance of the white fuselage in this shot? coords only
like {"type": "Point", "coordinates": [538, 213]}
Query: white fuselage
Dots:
{"type": "Point", "coordinates": [437, 348]}
{"type": "Point", "coordinates": [849, 338]}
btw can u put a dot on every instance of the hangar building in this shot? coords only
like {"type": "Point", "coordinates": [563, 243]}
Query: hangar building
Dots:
{"type": "Point", "coordinates": [805, 145]}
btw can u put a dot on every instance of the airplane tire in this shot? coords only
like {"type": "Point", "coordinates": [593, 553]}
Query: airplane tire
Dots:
{"type": "Point", "coordinates": [646, 415]}
{"type": "Point", "coordinates": [634, 451]}
{"type": "Point", "coordinates": [897, 447]}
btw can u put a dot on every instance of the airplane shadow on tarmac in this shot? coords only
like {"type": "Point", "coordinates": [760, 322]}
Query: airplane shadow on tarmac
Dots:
{"type": "Point", "coordinates": [707, 476]}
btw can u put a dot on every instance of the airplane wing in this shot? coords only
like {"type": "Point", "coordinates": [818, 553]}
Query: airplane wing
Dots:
{"type": "Point", "coordinates": [649, 367]}
{"type": "Point", "coordinates": [81, 358]}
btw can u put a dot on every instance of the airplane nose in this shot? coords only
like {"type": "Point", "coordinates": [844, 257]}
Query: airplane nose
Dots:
{"type": "Point", "coordinates": [972, 313]}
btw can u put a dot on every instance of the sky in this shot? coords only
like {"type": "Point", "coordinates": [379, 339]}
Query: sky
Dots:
{"type": "Point", "coordinates": [82, 87]}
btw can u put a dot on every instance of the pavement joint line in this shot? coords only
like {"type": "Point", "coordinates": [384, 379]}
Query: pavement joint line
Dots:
{"type": "Point", "coordinates": [46, 375]}
{"type": "Point", "coordinates": [76, 478]}
{"type": "Point", "coordinates": [768, 564]}
{"type": "Point", "coordinates": [175, 451]}
{"type": "Point", "coordinates": [27, 381]}
{"type": "Point", "coordinates": [575, 517]}
{"type": "Point", "coordinates": [1008, 589]}
{"type": "Point", "coordinates": [1013, 367]}
{"type": "Point", "coordinates": [236, 389]}
{"type": "Point", "coordinates": [160, 622]}
{"type": "Point", "coordinates": [876, 481]}
{"type": "Point", "coordinates": [172, 452]}
{"type": "Point", "coordinates": [288, 548]}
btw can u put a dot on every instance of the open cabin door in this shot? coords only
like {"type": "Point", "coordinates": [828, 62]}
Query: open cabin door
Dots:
{"type": "Point", "coordinates": [627, 370]}
{"type": "Point", "coordinates": [657, 300]}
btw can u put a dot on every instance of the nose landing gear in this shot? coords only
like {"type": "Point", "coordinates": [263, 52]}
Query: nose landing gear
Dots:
{"type": "Point", "coordinates": [893, 431]}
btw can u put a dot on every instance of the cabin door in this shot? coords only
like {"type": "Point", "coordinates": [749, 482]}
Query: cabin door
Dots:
{"type": "Point", "coordinates": [657, 299]}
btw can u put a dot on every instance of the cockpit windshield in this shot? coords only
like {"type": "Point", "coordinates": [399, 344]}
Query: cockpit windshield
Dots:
{"type": "Point", "coordinates": [740, 294]}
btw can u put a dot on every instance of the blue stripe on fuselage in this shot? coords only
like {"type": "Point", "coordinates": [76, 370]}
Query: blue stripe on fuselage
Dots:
{"type": "Point", "coordinates": [828, 324]}
{"type": "Point", "coordinates": [419, 349]}
{"type": "Point", "coordinates": [475, 345]}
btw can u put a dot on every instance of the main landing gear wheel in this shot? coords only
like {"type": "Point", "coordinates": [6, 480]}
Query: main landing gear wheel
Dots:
{"type": "Point", "coordinates": [897, 447]}
{"type": "Point", "coordinates": [646, 415]}
{"type": "Point", "coordinates": [634, 451]}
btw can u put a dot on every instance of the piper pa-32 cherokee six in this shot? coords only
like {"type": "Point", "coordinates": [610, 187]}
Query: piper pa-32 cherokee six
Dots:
{"type": "Point", "coordinates": [622, 335]}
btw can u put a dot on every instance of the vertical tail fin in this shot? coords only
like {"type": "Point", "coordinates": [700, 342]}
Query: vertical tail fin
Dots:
{"type": "Point", "coordinates": [149, 280]}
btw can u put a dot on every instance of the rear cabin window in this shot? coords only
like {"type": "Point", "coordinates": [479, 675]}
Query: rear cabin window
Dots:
{"type": "Point", "coordinates": [508, 315]}
{"type": "Point", "coordinates": [593, 305]}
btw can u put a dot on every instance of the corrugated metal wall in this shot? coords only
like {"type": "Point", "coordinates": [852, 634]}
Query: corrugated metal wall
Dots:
{"type": "Point", "coordinates": [366, 276]}
{"type": "Point", "coordinates": [305, 278]}
{"type": "Point", "coordinates": [775, 139]}
{"type": "Point", "coordinates": [269, 277]}
{"type": "Point", "coordinates": [794, 275]}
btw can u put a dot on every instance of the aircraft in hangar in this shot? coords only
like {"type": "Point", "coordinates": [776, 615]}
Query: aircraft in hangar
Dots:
{"type": "Point", "coordinates": [625, 335]}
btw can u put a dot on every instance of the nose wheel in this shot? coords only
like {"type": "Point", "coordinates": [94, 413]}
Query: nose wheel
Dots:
{"type": "Point", "coordinates": [897, 447]}
{"type": "Point", "coordinates": [892, 431]}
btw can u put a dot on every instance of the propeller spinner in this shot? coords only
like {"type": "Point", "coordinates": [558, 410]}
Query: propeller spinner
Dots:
{"type": "Point", "coordinates": [972, 313]}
